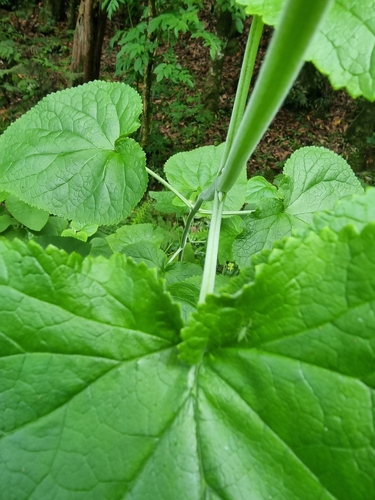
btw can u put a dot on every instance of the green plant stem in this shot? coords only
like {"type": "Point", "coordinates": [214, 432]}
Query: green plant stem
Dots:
{"type": "Point", "coordinates": [284, 59]}
{"type": "Point", "coordinates": [189, 221]}
{"type": "Point", "coordinates": [227, 212]}
{"type": "Point", "coordinates": [168, 186]}
{"type": "Point", "coordinates": [187, 202]}
{"type": "Point", "coordinates": [177, 252]}
{"type": "Point", "coordinates": [242, 92]}
{"type": "Point", "coordinates": [209, 272]}
{"type": "Point", "coordinates": [238, 109]}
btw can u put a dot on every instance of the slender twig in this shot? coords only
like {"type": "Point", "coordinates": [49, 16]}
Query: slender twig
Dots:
{"type": "Point", "coordinates": [168, 186]}
{"type": "Point", "coordinates": [201, 211]}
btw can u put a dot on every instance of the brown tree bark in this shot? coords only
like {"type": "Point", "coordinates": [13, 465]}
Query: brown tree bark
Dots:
{"type": "Point", "coordinates": [88, 41]}
{"type": "Point", "coordinates": [72, 14]}
{"type": "Point", "coordinates": [226, 32]}
{"type": "Point", "coordinates": [55, 9]}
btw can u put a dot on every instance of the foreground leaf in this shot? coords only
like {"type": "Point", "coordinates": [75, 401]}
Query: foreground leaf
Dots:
{"type": "Point", "coordinates": [297, 345]}
{"type": "Point", "coordinates": [357, 210]}
{"type": "Point", "coordinates": [70, 156]}
{"type": "Point", "coordinates": [95, 403]}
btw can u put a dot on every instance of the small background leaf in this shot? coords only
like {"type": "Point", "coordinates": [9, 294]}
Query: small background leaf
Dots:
{"type": "Point", "coordinates": [5, 222]}
{"type": "Point", "coordinates": [313, 179]}
{"type": "Point", "coordinates": [192, 172]}
{"type": "Point", "coordinates": [31, 217]}
{"type": "Point", "coordinates": [127, 235]}
{"type": "Point", "coordinates": [258, 188]}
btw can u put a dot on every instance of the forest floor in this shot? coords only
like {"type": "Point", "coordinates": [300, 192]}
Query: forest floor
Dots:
{"type": "Point", "coordinates": [180, 123]}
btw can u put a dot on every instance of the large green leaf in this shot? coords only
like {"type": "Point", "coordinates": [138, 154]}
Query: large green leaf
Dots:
{"type": "Point", "coordinates": [194, 171]}
{"type": "Point", "coordinates": [297, 359]}
{"type": "Point", "coordinates": [70, 155]}
{"type": "Point", "coordinates": [343, 48]}
{"type": "Point", "coordinates": [314, 179]}
{"type": "Point", "coordinates": [96, 404]}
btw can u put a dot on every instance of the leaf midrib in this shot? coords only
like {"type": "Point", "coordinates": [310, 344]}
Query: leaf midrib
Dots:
{"type": "Point", "coordinates": [211, 367]}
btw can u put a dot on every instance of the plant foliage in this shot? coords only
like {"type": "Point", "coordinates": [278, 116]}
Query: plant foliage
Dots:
{"type": "Point", "coordinates": [343, 46]}
{"type": "Point", "coordinates": [118, 377]}
{"type": "Point", "coordinates": [300, 353]}
{"type": "Point", "coordinates": [71, 154]}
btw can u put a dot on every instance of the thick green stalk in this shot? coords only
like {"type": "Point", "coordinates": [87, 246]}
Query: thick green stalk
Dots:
{"type": "Point", "coordinates": [242, 92]}
{"type": "Point", "coordinates": [209, 272]}
{"type": "Point", "coordinates": [299, 21]}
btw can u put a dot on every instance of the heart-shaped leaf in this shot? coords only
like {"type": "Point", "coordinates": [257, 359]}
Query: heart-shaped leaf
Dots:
{"type": "Point", "coordinates": [314, 179]}
{"type": "Point", "coordinates": [70, 156]}
{"type": "Point", "coordinates": [194, 171]}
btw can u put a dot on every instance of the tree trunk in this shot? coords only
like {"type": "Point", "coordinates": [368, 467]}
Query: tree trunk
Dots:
{"type": "Point", "coordinates": [363, 127]}
{"type": "Point", "coordinates": [88, 41]}
{"type": "Point", "coordinates": [226, 32]}
{"type": "Point", "coordinates": [55, 9]}
{"type": "Point", "coordinates": [147, 83]}
{"type": "Point", "coordinates": [72, 15]}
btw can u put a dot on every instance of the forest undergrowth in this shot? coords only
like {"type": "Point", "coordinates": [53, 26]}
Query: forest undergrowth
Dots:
{"type": "Point", "coordinates": [35, 58]}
